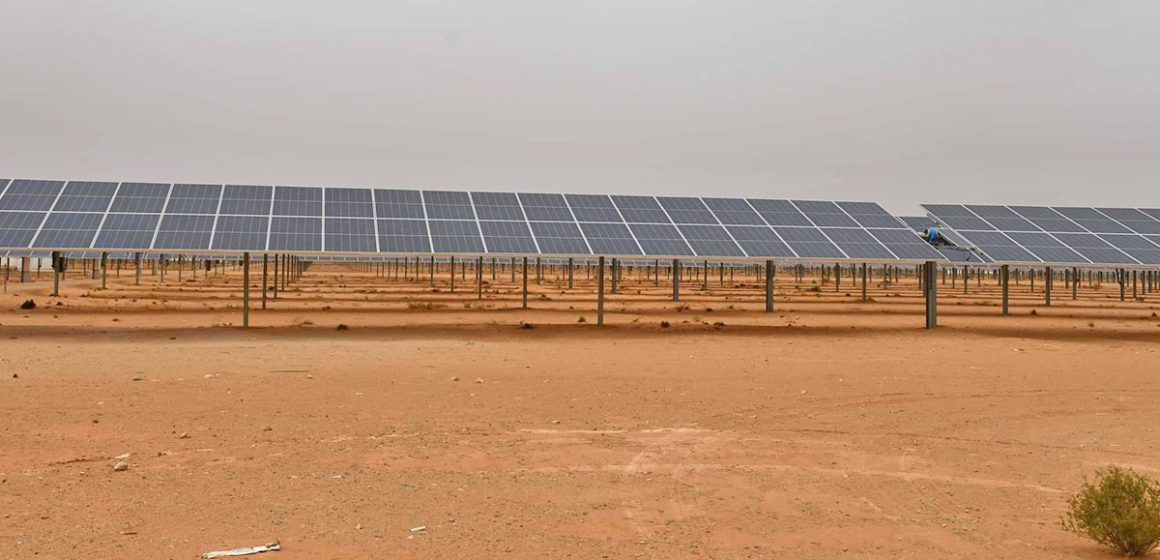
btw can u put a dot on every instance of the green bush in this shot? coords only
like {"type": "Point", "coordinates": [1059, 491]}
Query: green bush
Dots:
{"type": "Point", "coordinates": [1120, 509]}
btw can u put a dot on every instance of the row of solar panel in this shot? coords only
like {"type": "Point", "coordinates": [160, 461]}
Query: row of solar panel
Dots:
{"type": "Point", "coordinates": [1019, 234]}
{"type": "Point", "coordinates": [44, 214]}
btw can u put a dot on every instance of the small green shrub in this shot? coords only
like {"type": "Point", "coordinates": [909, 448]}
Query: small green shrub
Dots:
{"type": "Point", "coordinates": [1120, 509]}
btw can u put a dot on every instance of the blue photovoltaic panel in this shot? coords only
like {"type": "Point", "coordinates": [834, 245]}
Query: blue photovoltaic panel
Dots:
{"type": "Point", "coordinates": [349, 235]}
{"type": "Point", "coordinates": [870, 215]}
{"type": "Point", "coordinates": [33, 196]}
{"type": "Point", "coordinates": [1138, 247]}
{"type": "Point", "coordinates": [640, 209]}
{"type": "Point", "coordinates": [67, 231]}
{"type": "Point", "coordinates": [403, 236]}
{"type": "Point", "coordinates": [246, 200]}
{"type": "Point", "coordinates": [760, 241]}
{"type": "Point", "coordinates": [455, 236]}
{"type": "Point", "coordinates": [1092, 220]}
{"type": "Point", "coordinates": [130, 231]}
{"type": "Point", "coordinates": [1133, 219]}
{"type": "Point", "coordinates": [298, 201]}
{"type": "Point", "coordinates": [1046, 247]}
{"type": "Point", "coordinates": [999, 247]}
{"type": "Point", "coordinates": [18, 228]}
{"type": "Point", "coordinates": [1047, 219]}
{"type": "Point", "coordinates": [508, 237]}
{"type": "Point", "coordinates": [241, 233]}
{"type": "Point", "coordinates": [957, 217]}
{"type": "Point", "coordinates": [392, 203]}
{"type": "Point", "coordinates": [734, 211]}
{"type": "Point", "coordinates": [779, 212]}
{"type": "Point", "coordinates": [545, 207]}
{"type": "Point", "coordinates": [1093, 248]}
{"type": "Point", "coordinates": [857, 243]}
{"type": "Point", "coordinates": [824, 213]}
{"type": "Point", "coordinates": [295, 234]}
{"type": "Point", "coordinates": [809, 243]}
{"type": "Point", "coordinates": [905, 244]}
{"type": "Point", "coordinates": [1002, 218]}
{"type": "Point", "coordinates": [660, 239]}
{"type": "Point", "coordinates": [448, 205]}
{"type": "Point", "coordinates": [687, 210]}
{"type": "Point", "coordinates": [497, 206]}
{"type": "Point", "coordinates": [194, 199]}
{"type": "Point", "coordinates": [610, 239]}
{"type": "Point", "coordinates": [593, 208]}
{"type": "Point", "coordinates": [184, 232]}
{"type": "Point", "coordinates": [707, 240]}
{"type": "Point", "coordinates": [85, 196]}
{"type": "Point", "coordinates": [144, 198]}
{"type": "Point", "coordinates": [349, 203]}
{"type": "Point", "coordinates": [560, 238]}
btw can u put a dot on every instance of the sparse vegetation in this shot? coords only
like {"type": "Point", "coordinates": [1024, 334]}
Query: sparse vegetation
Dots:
{"type": "Point", "coordinates": [342, 327]}
{"type": "Point", "coordinates": [28, 304]}
{"type": "Point", "coordinates": [424, 305]}
{"type": "Point", "coordinates": [1120, 509]}
{"type": "Point", "coordinates": [581, 320]}
{"type": "Point", "coordinates": [664, 324]}
{"type": "Point", "coordinates": [526, 326]}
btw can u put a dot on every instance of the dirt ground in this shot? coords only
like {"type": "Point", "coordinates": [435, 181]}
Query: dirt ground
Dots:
{"type": "Point", "coordinates": [830, 428]}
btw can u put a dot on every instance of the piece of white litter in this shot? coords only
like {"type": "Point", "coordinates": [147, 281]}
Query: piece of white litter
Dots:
{"type": "Point", "coordinates": [419, 528]}
{"type": "Point", "coordinates": [243, 551]}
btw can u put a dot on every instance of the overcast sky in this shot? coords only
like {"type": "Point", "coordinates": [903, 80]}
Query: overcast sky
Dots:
{"type": "Point", "coordinates": [899, 102]}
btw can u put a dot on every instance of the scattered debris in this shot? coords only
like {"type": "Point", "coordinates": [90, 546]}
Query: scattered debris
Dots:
{"type": "Point", "coordinates": [243, 551]}
{"type": "Point", "coordinates": [419, 529]}
{"type": "Point", "coordinates": [137, 378]}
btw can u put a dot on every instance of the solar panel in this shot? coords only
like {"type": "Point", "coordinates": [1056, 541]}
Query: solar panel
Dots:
{"type": "Point", "coordinates": [295, 234]}
{"type": "Point", "coordinates": [18, 228]}
{"type": "Point", "coordinates": [497, 206]}
{"type": "Point", "coordinates": [194, 199]}
{"type": "Point", "coordinates": [349, 203]}
{"type": "Point", "coordinates": [403, 236]}
{"type": "Point", "coordinates": [710, 241]}
{"type": "Point", "coordinates": [733, 211]}
{"type": "Point", "coordinates": [35, 196]}
{"type": "Point", "coordinates": [593, 208]}
{"type": "Point", "coordinates": [779, 212]}
{"type": "Point", "coordinates": [559, 237]}
{"type": "Point", "coordinates": [508, 237]}
{"type": "Point", "coordinates": [179, 231]}
{"type": "Point", "coordinates": [145, 198]}
{"type": "Point", "coordinates": [1053, 235]}
{"type": "Point", "coordinates": [455, 236]}
{"type": "Point", "coordinates": [760, 241]}
{"type": "Point", "coordinates": [242, 233]}
{"type": "Point", "coordinates": [127, 230]}
{"type": "Point", "coordinates": [687, 210]}
{"type": "Point", "coordinates": [350, 235]}
{"type": "Point", "coordinates": [610, 239]}
{"type": "Point", "coordinates": [391, 203]}
{"type": "Point", "coordinates": [545, 207]}
{"type": "Point", "coordinates": [160, 217]}
{"type": "Point", "coordinates": [297, 201]}
{"type": "Point", "coordinates": [85, 196]}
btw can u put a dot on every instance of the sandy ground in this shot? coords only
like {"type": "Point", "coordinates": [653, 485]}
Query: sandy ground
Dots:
{"type": "Point", "coordinates": [830, 428]}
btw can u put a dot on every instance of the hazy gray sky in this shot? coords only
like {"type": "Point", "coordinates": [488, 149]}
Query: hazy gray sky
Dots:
{"type": "Point", "coordinates": [898, 102]}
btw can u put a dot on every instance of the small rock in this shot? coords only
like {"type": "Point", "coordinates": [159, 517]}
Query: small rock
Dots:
{"type": "Point", "coordinates": [184, 435]}
{"type": "Point", "coordinates": [479, 380]}
{"type": "Point", "coordinates": [555, 421]}
{"type": "Point", "coordinates": [16, 376]}
{"type": "Point", "coordinates": [308, 376]}
{"type": "Point", "coordinates": [456, 378]}
{"type": "Point", "coordinates": [120, 466]}
{"type": "Point", "coordinates": [137, 378]}
{"type": "Point", "coordinates": [123, 456]}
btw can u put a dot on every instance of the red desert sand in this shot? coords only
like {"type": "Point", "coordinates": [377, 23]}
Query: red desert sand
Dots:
{"type": "Point", "coordinates": [830, 428]}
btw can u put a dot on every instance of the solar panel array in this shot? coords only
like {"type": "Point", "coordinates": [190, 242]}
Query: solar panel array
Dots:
{"type": "Point", "coordinates": [958, 250]}
{"type": "Point", "coordinates": [1056, 235]}
{"type": "Point", "coordinates": [160, 217]}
